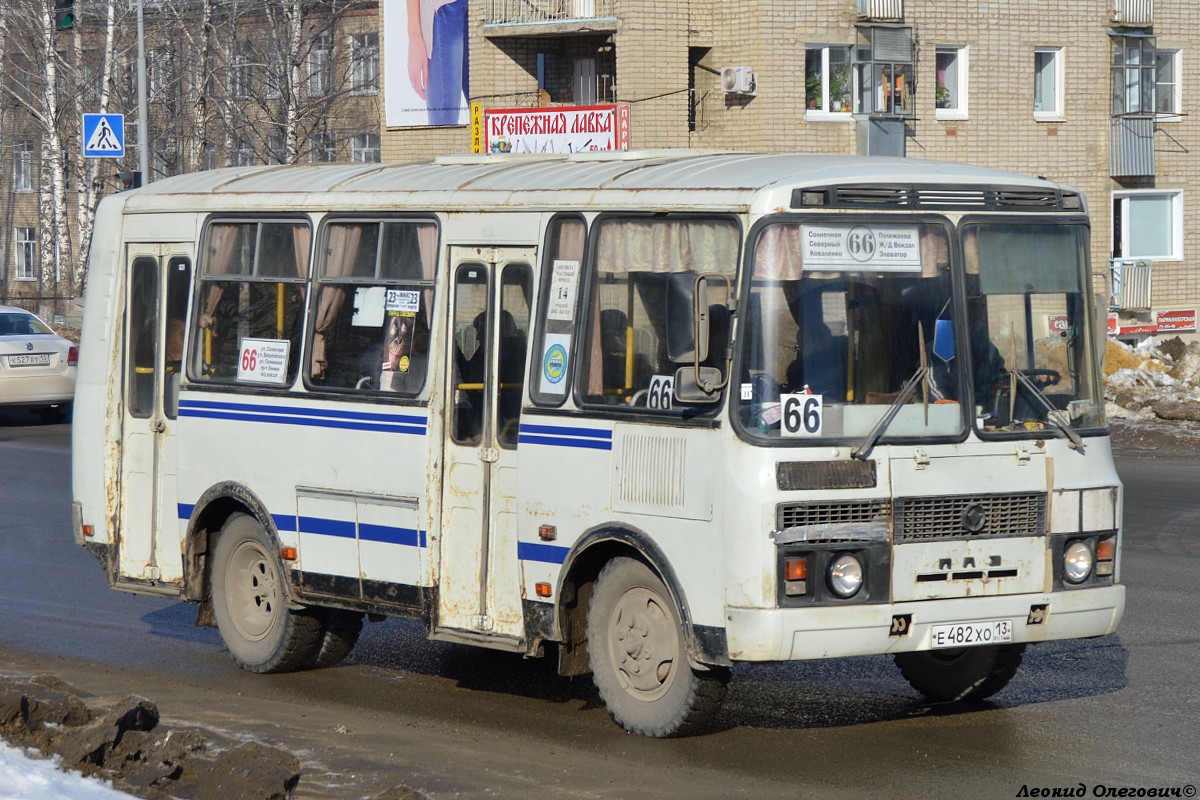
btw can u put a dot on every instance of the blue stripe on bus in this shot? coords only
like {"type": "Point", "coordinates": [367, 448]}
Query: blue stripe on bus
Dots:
{"type": "Point", "coordinates": [556, 441]}
{"type": "Point", "coordinates": [386, 534]}
{"type": "Point", "coordinates": [185, 510]}
{"type": "Point", "coordinates": [555, 430]}
{"type": "Point", "coordinates": [548, 553]}
{"type": "Point", "coordinates": [312, 417]}
{"type": "Point", "coordinates": [327, 527]}
{"type": "Point", "coordinates": [285, 522]}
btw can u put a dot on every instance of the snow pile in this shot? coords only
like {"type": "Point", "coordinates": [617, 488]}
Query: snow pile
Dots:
{"type": "Point", "coordinates": [1159, 380]}
{"type": "Point", "coordinates": [24, 778]}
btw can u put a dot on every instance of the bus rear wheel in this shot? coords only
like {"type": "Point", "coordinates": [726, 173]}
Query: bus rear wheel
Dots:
{"type": "Point", "coordinates": [250, 602]}
{"type": "Point", "coordinates": [963, 674]}
{"type": "Point", "coordinates": [639, 659]}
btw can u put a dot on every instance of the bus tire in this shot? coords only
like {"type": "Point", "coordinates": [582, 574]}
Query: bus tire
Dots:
{"type": "Point", "coordinates": [639, 659]}
{"type": "Point", "coordinates": [339, 634]}
{"type": "Point", "coordinates": [961, 675]}
{"type": "Point", "coordinates": [250, 605]}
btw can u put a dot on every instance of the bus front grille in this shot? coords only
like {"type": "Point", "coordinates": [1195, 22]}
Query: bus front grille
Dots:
{"type": "Point", "coordinates": [923, 519]}
{"type": "Point", "coordinates": [797, 515]}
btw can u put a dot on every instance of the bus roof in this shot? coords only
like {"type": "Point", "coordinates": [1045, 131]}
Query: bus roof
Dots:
{"type": "Point", "coordinates": [675, 179]}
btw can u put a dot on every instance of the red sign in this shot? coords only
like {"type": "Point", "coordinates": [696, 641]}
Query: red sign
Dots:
{"type": "Point", "coordinates": [1114, 324]}
{"type": "Point", "coordinates": [1176, 320]}
{"type": "Point", "coordinates": [1056, 323]}
{"type": "Point", "coordinates": [1132, 329]}
{"type": "Point", "coordinates": [557, 129]}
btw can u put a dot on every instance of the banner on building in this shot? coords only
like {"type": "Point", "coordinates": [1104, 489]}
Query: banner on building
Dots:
{"type": "Point", "coordinates": [557, 129]}
{"type": "Point", "coordinates": [425, 74]}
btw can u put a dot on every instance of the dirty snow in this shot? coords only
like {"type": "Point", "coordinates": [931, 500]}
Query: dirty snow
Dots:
{"type": "Point", "coordinates": [1159, 380]}
{"type": "Point", "coordinates": [24, 778]}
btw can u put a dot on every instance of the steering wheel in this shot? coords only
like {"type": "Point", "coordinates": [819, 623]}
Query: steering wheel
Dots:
{"type": "Point", "coordinates": [1043, 377]}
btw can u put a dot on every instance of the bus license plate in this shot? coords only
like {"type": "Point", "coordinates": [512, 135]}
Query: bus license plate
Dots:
{"type": "Point", "coordinates": [34, 360]}
{"type": "Point", "coordinates": [967, 634]}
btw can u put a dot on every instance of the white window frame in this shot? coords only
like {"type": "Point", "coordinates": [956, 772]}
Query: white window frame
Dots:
{"type": "Point", "coordinates": [1176, 196]}
{"type": "Point", "coordinates": [208, 156]}
{"type": "Point", "coordinates": [243, 153]}
{"type": "Point", "coordinates": [24, 254]}
{"type": "Point", "coordinates": [317, 65]}
{"type": "Point", "coordinates": [160, 73]}
{"type": "Point", "coordinates": [243, 74]}
{"type": "Point", "coordinates": [23, 167]}
{"type": "Point", "coordinates": [364, 63]}
{"type": "Point", "coordinates": [1056, 114]}
{"type": "Point", "coordinates": [275, 145]}
{"type": "Point", "coordinates": [322, 148]}
{"type": "Point", "coordinates": [1175, 57]}
{"type": "Point", "coordinates": [363, 145]}
{"type": "Point", "coordinates": [823, 114]}
{"type": "Point", "coordinates": [962, 72]}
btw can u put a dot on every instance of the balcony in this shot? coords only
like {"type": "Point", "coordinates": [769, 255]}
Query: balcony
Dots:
{"type": "Point", "coordinates": [1131, 147]}
{"type": "Point", "coordinates": [1129, 13]}
{"type": "Point", "coordinates": [1129, 284]}
{"type": "Point", "coordinates": [504, 18]}
{"type": "Point", "coordinates": [885, 10]}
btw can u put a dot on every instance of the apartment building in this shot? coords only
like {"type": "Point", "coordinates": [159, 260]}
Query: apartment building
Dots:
{"type": "Point", "coordinates": [1086, 92]}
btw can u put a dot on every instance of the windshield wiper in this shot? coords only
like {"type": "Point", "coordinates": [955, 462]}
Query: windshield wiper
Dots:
{"type": "Point", "coordinates": [1053, 415]}
{"type": "Point", "coordinates": [918, 377]}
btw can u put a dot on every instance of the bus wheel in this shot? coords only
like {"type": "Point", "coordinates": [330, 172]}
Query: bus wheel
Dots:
{"type": "Point", "coordinates": [961, 675]}
{"type": "Point", "coordinates": [339, 634]}
{"type": "Point", "coordinates": [638, 658]}
{"type": "Point", "coordinates": [250, 603]}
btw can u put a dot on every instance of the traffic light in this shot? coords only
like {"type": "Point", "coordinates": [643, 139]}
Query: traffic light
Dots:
{"type": "Point", "coordinates": [129, 180]}
{"type": "Point", "coordinates": [64, 15]}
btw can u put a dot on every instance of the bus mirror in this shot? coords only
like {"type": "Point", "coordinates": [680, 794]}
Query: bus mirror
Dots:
{"type": "Point", "coordinates": [687, 316]}
{"type": "Point", "coordinates": [698, 384]}
{"type": "Point", "coordinates": [1101, 331]}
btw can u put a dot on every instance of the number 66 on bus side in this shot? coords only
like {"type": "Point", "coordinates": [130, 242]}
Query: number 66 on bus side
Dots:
{"type": "Point", "coordinates": [802, 414]}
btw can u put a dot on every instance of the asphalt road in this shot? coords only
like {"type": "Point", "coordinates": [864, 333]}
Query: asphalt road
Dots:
{"type": "Point", "coordinates": [452, 721]}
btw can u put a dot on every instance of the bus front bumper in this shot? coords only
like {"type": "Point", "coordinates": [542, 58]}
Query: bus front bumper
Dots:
{"type": "Point", "coordinates": [789, 634]}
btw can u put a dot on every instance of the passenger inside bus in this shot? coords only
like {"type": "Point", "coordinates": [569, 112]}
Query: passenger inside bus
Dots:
{"type": "Point", "coordinates": [819, 367]}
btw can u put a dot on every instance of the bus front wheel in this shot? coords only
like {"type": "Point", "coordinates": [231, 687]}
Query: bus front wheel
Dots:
{"type": "Point", "coordinates": [960, 675]}
{"type": "Point", "coordinates": [638, 657]}
{"type": "Point", "coordinates": [250, 602]}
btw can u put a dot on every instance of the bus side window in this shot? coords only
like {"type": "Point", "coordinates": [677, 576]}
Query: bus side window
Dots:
{"type": "Point", "coordinates": [516, 289]}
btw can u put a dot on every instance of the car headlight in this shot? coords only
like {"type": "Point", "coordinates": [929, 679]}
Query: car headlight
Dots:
{"type": "Point", "coordinates": [1077, 561]}
{"type": "Point", "coordinates": [845, 575]}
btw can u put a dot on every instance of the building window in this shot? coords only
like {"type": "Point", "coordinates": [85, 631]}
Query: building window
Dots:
{"type": "Point", "coordinates": [25, 254]}
{"type": "Point", "coordinates": [950, 87]}
{"type": "Point", "coordinates": [208, 158]}
{"type": "Point", "coordinates": [274, 72]}
{"type": "Point", "coordinates": [23, 167]}
{"type": "Point", "coordinates": [883, 71]}
{"type": "Point", "coordinates": [1167, 93]}
{"type": "Point", "coordinates": [1148, 224]}
{"type": "Point", "coordinates": [318, 67]}
{"type": "Point", "coordinates": [160, 152]}
{"type": "Point", "coordinates": [364, 63]}
{"type": "Point", "coordinates": [322, 147]}
{"type": "Point", "coordinates": [243, 155]}
{"type": "Point", "coordinates": [1047, 83]}
{"type": "Point", "coordinates": [364, 147]}
{"type": "Point", "coordinates": [159, 75]}
{"type": "Point", "coordinates": [1134, 73]}
{"type": "Point", "coordinates": [827, 85]}
{"type": "Point", "coordinates": [243, 73]}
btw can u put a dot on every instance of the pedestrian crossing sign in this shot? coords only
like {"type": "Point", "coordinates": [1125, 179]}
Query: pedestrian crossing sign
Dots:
{"type": "Point", "coordinates": [104, 135]}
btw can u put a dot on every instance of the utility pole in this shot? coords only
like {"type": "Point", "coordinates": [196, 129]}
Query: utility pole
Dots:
{"type": "Point", "coordinates": [143, 143]}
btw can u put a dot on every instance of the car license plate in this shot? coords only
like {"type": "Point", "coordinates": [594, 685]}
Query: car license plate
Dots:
{"type": "Point", "coordinates": [30, 360]}
{"type": "Point", "coordinates": [967, 634]}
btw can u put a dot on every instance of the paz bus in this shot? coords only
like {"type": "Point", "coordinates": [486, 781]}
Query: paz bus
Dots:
{"type": "Point", "coordinates": [665, 411]}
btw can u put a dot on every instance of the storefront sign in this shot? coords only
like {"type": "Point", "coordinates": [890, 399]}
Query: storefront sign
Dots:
{"type": "Point", "coordinates": [560, 129]}
{"type": "Point", "coordinates": [1176, 320]}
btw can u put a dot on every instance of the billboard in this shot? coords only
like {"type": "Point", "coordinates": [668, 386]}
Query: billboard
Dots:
{"type": "Point", "coordinates": [425, 63]}
{"type": "Point", "coordinates": [557, 129]}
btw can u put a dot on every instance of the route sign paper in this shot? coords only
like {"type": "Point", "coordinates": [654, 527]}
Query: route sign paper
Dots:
{"type": "Point", "coordinates": [104, 135]}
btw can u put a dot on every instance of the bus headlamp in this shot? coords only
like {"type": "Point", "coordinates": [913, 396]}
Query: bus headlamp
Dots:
{"type": "Point", "coordinates": [845, 575]}
{"type": "Point", "coordinates": [1077, 561]}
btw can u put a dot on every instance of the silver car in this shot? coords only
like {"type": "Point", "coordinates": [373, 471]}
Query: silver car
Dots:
{"type": "Point", "coordinates": [37, 366]}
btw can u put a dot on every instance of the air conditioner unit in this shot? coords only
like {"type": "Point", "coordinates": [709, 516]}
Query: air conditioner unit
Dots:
{"type": "Point", "coordinates": [738, 80]}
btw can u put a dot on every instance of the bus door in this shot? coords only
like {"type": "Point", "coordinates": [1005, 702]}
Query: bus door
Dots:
{"type": "Point", "coordinates": [159, 282]}
{"type": "Point", "coordinates": [479, 586]}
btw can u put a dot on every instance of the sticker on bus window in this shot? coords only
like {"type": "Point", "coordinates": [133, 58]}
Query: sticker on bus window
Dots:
{"type": "Point", "coordinates": [561, 304]}
{"type": "Point", "coordinates": [802, 414]}
{"type": "Point", "coordinates": [554, 363]}
{"type": "Point", "coordinates": [403, 300]}
{"type": "Point", "coordinates": [264, 361]}
{"type": "Point", "coordinates": [874, 248]}
{"type": "Point", "coordinates": [368, 306]}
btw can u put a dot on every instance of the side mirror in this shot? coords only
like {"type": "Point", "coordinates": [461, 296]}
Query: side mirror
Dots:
{"type": "Point", "coordinates": [687, 317]}
{"type": "Point", "coordinates": [697, 385]}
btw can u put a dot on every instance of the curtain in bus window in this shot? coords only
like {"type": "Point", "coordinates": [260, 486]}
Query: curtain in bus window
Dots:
{"type": "Point", "coordinates": [221, 239]}
{"type": "Point", "coordinates": [343, 245]}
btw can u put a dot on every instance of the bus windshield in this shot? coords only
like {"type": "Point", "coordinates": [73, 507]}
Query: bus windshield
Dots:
{"type": "Point", "coordinates": [841, 315]}
{"type": "Point", "coordinates": [851, 324]}
{"type": "Point", "coordinates": [1031, 347]}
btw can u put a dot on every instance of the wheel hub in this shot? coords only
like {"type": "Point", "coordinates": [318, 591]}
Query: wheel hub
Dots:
{"type": "Point", "coordinates": [644, 643]}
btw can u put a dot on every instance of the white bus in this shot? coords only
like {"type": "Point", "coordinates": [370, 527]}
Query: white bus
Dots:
{"type": "Point", "coordinates": [669, 411]}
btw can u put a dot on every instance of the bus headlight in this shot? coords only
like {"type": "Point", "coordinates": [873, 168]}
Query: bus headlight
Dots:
{"type": "Point", "coordinates": [846, 575]}
{"type": "Point", "coordinates": [1077, 561]}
